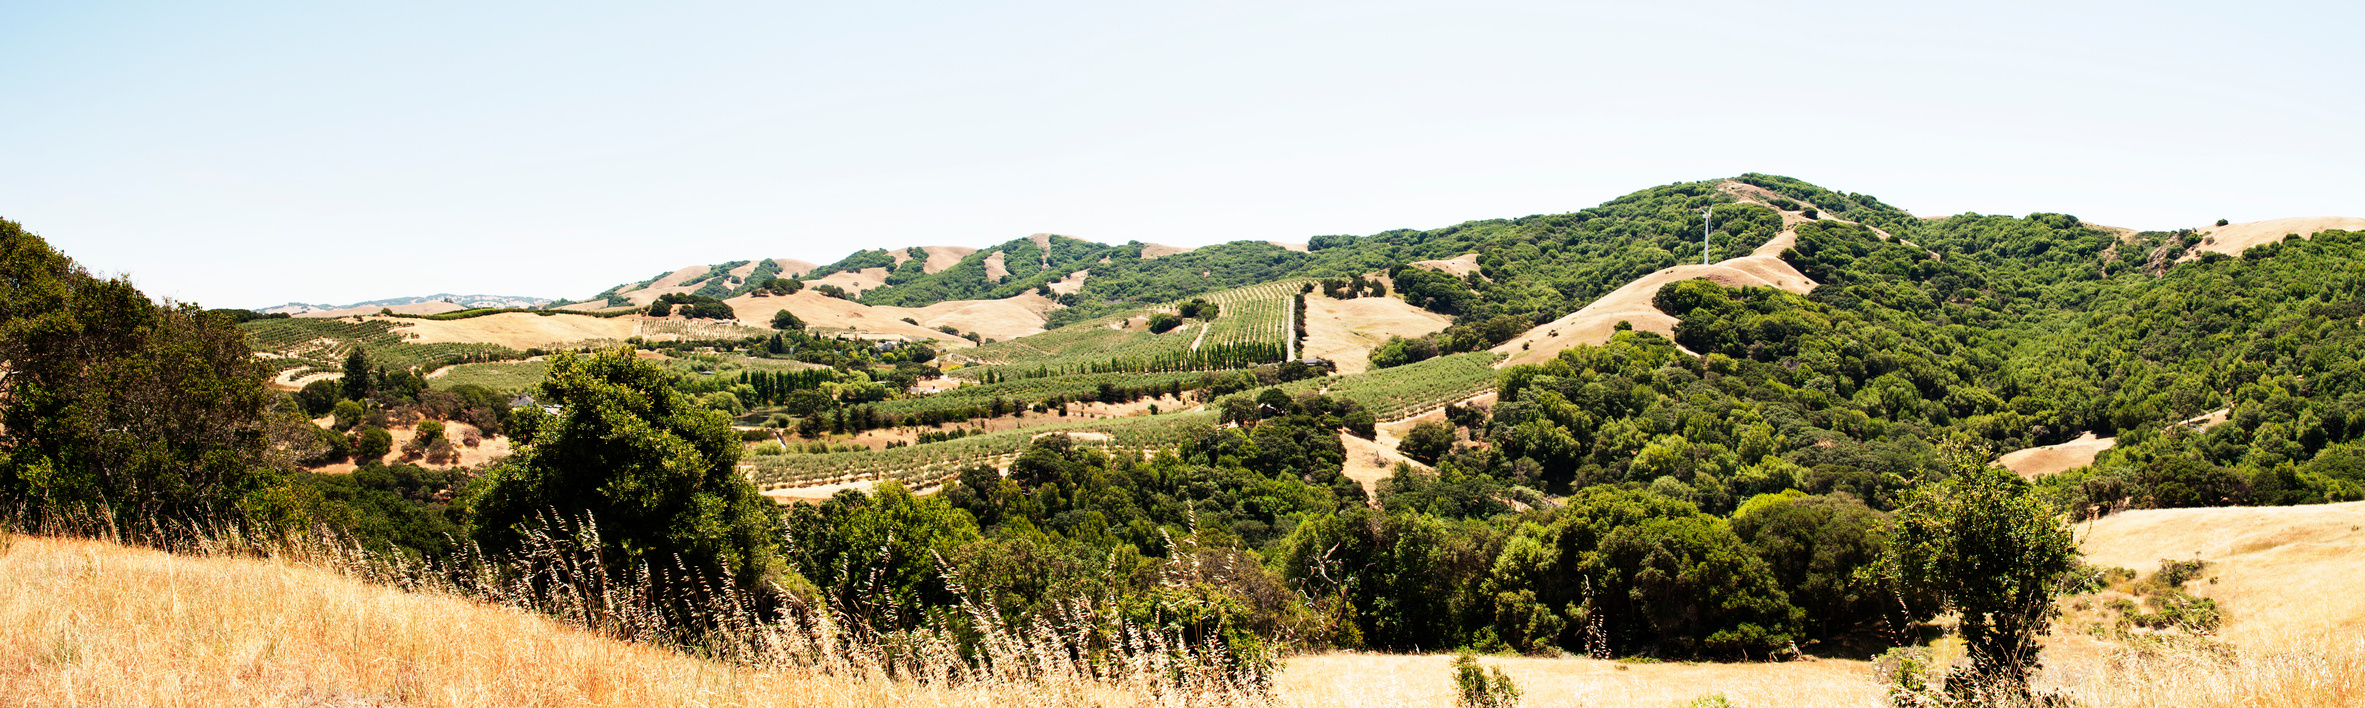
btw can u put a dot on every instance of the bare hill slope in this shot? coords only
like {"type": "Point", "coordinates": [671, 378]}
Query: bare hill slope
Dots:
{"type": "Point", "coordinates": [2232, 239]}
{"type": "Point", "coordinates": [2055, 459]}
{"type": "Point", "coordinates": [520, 330]}
{"type": "Point", "coordinates": [823, 313]}
{"type": "Point", "coordinates": [1345, 331]}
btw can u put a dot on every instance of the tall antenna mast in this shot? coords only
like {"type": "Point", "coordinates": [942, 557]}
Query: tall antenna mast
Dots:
{"type": "Point", "coordinates": [1706, 215]}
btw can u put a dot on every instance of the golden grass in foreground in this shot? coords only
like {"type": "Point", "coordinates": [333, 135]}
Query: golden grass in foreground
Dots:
{"type": "Point", "coordinates": [86, 622]}
{"type": "Point", "coordinates": [94, 623]}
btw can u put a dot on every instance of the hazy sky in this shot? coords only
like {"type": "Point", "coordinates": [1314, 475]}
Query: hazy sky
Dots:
{"type": "Point", "coordinates": [252, 153]}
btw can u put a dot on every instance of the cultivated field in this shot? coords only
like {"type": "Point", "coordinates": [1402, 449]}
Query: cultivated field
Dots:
{"type": "Point", "coordinates": [1253, 327]}
{"type": "Point", "coordinates": [927, 465]}
{"type": "Point", "coordinates": [519, 330]}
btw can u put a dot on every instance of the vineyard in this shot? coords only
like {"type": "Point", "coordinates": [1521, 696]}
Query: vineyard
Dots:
{"type": "Point", "coordinates": [1254, 326]}
{"type": "Point", "coordinates": [321, 344]}
{"type": "Point", "coordinates": [503, 377]}
{"type": "Point", "coordinates": [768, 376]}
{"type": "Point", "coordinates": [929, 464]}
{"type": "Point", "coordinates": [700, 330]}
{"type": "Point", "coordinates": [1257, 314]}
{"type": "Point", "coordinates": [1405, 391]}
{"type": "Point", "coordinates": [1024, 391]}
{"type": "Point", "coordinates": [1390, 394]}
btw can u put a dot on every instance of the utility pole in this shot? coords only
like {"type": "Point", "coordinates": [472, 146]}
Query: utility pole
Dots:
{"type": "Point", "coordinates": [1706, 215]}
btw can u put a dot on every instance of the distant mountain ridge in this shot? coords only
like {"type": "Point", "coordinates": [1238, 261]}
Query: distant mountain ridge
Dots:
{"type": "Point", "coordinates": [464, 301]}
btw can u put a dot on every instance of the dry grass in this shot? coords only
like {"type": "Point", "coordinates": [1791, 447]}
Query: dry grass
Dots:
{"type": "Point", "coordinates": [853, 281]}
{"type": "Point", "coordinates": [1345, 331]}
{"type": "Point", "coordinates": [1153, 251]}
{"type": "Point", "coordinates": [2280, 572]}
{"type": "Point", "coordinates": [1458, 266]}
{"type": "Point", "coordinates": [825, 313]}
{"type": "Point", "coordinates": [230, 623]}
{"type": "Point", "coordinates": [519, 330]}
{"type": "Point", "coordinates": [2054, 459]}
{"type": "Point", "coordinates": [94, 623]}
{"type": "Point", "coordinates": [2236, 238]}
{"type": "Point", "coordinates": [1427, 680]}
{"type": "Point", "coordinates": [88, 622]}
{"type": "Point", "coordinates": [1005, 319]}
{"type": "Point", "coordinates": [2322, 671]}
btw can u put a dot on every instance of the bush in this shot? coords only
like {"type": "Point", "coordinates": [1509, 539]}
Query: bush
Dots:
{"type": "Point", "coordinates": [1162, 323]}
{"type": "Point", "coordinates": [1482, 688]}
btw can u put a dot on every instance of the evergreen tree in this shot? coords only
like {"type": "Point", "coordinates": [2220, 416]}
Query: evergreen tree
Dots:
{"type": "Point", "coordinates": [359, 375]}
{"type": "Point", "coordinates": [653, 470]}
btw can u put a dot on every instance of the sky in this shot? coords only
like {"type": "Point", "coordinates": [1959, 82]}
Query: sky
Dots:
{"type": "Point", "coordinates": [246, 154]}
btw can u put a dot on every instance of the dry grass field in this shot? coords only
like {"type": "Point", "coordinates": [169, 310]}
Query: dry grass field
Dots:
{"type": "Point", "coordinates": [520, 330]}
{"type": "Point", "coordinates": [2055, 459]}
{"type": "Point", "coordinates": [93, 623]}
{"type": "Point", "coordinates": [2282, 572]}
{"type": "Point", "coordinates": [823, 313]}
{"type": "Point", "coordinates": [855, 281]}
{"type": "Point", "coordinates": [2232, 239]}
{"type": "Point", "coordinates": [1152, 251]}
{"type": "Point", "coordinates": [1458, 266]}
{"type": "Point", "coordinates": [1001, 320]}
{"type": "Point", "coordinates": [1345, 331]}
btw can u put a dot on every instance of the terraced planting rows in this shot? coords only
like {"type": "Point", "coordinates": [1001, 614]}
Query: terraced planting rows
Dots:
{"type": "Point", "coordinates": [1253, 327]}
{"type": "Point", "coordinates": [1406, 391]}
{"type": "Point", "coordinates": [1083, 340]}
{"type": "Point", "coordinates": [1390, 394]}
{"type": "Point", "coordinates": [929, 464]}
{"type": "Point", "coordinates": [1258, 314]}
{"type": "Point", "coordinates": [1030, 390]}
{"type": "Point", "coordinates": [505, 377]}
{"type": "Point", "coordinates": [321, 344]}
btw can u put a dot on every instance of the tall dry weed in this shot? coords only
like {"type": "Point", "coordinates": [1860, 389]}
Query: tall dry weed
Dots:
{"type": "Point", "coordinates": [1082, 654]}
